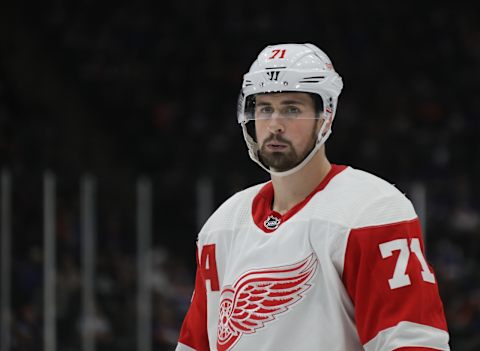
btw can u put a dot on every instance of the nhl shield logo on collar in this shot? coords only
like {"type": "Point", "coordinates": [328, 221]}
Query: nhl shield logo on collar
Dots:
{"type": "Point", "coordinates": [272, 222]}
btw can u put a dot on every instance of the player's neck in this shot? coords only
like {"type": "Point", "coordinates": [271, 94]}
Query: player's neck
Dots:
{"type": "Point", "coordinates": [290, 190]}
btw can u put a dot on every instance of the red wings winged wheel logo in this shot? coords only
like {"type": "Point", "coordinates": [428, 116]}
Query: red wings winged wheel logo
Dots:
{"type": "Point", "coordinates": [257, 296]}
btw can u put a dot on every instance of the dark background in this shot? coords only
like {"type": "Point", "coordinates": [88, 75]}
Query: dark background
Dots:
{"type": "Point", "coordinates": [120, 89]}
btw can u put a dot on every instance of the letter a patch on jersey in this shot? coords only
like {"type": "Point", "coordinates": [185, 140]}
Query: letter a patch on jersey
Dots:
{"type": "Point", "coordinates": [208, 264]}
{"type": "Point", "coordinates": [257, 296]}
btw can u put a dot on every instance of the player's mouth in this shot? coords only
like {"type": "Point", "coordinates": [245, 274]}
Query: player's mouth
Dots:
{"type": "Point", "coordinates": [276, 146]}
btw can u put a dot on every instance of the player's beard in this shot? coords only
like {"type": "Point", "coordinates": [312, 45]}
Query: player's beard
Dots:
{"type": "Point", "coordinates": [285, 160]}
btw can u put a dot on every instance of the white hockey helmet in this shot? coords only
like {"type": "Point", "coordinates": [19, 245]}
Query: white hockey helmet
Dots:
{"type": "Point", "coordinates": [290, 68]}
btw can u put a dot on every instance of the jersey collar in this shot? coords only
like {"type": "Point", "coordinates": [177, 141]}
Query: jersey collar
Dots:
{"type": "Point", "coordinates": [268, 220]}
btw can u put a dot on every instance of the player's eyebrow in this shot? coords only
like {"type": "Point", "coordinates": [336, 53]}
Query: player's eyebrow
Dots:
{"type": "Point", "coordinates": [292, 102]}
{"type": "Point", "coordinates": [261, 103]}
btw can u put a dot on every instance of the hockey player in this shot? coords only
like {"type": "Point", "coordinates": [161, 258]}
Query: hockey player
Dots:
{"type": "Point", "coordinates": [322, 257]}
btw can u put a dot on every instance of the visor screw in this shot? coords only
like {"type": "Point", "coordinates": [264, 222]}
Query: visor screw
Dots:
{"type": "Point", "coordinates": [262, 84]}
{"type": "Point", "coordinates": [285, 83]}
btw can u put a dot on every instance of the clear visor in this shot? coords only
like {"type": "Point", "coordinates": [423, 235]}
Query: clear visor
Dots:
{"type": "Point", "coordinates": [288, 106]}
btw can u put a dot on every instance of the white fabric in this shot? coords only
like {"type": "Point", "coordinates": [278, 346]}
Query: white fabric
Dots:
{"type": "Point", "coordinates": [409, 334]}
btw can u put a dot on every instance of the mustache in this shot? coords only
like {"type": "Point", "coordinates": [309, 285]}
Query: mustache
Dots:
{"type": "Point", "coordinates": [278, 138]}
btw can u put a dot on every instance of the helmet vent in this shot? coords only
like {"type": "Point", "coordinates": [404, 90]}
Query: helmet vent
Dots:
{"type": "Point", "coordinates": [315, 79]}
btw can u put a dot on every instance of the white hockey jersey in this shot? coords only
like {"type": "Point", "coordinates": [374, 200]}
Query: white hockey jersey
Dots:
{"type": "Point", "coordinates": [343, 270]}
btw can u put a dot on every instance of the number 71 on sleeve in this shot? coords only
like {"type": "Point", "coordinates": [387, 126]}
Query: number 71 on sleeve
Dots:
{"type": "Point", "coordinates": [400, 278]}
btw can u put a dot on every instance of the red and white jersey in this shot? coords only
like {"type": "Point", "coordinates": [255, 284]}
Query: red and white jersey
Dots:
{"type": "Point", "coordinates": [343, 270]}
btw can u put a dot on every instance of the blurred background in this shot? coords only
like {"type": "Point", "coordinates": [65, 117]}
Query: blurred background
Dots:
{"type": "Point", "coordinates": [113, 109]}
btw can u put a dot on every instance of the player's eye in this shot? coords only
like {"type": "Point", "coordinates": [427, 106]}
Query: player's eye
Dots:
{"type": "Point", "coordinates": [263, 111]}
{"type": "Point", "coordinates": [292, 111]}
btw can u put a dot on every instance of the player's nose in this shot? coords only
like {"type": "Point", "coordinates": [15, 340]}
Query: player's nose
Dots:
{"type": "Point", "coordinates": [275, 124]}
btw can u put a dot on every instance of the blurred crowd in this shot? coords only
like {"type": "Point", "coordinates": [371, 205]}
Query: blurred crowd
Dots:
{"type": "Point", "coordinates": [122, 90]}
